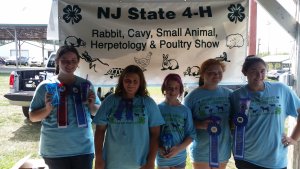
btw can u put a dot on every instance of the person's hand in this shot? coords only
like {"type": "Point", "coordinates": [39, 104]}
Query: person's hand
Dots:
{"type": "Point", "coordinates": [148, 166]}
{"type": "Point", "coordinates": [286, 141]}
{"type": "Point", "coordinates": [203, 124]}
{"type": "Point", "coordinates": [173, 152]}
{"type": "Point", "coordinates": [161, 151]}
{"type": "Point", "coordinates": [48, 101]}
{"type": "Point", "coordinates": [91, 97]}
{"type": "Point", "coordinates": [99, 163]}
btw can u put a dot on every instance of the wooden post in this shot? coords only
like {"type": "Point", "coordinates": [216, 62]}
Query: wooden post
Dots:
{"type": "Point", "coordinates": [252, 27]}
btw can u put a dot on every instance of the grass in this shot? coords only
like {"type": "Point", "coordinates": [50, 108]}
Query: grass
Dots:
{"type": "Point", "coordinates": [20, 137]}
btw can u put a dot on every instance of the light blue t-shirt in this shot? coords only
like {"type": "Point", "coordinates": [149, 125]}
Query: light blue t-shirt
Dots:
{"type": "Point", "coordinates": [266, 122]}
{"type": "Point", "coordinates": [63, 142]}
{"type": "Point", "coordinates": [127, 138]}
{"type": "Point", "coordinates": [179, 124]}
{"type": "Point", "coordinates": [203, 104]}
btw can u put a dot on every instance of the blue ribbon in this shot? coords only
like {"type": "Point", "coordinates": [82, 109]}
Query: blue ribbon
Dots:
{"type": "Point", "coordinates": [125, 104]}
{"type": "Point", "coordinates": [79, 108]}
{"type": "Point", "coordinates": [167, 142]}
{"type": "Point", "coordinates": [214, 130]}
{"type": "Point", "coordinates": [240, 121]}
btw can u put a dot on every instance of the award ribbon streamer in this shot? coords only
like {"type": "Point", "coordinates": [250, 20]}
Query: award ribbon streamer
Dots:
{"type": "Point", "coordinates": [214, 130]}
{"type": "Point", "coordinates": [62, 108]}
{"type": "Point", "coordinates": [125, 103]}
{"type": "Point", "coordinates": [240, 120]}
{"type": "Point", "coordinates": [79, 108]}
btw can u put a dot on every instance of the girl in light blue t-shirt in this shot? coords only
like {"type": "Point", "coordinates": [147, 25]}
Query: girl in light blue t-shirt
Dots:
{"type": "Point", "coordinates": [265, 140]}
{"type": "Point", "coordinates": [67, 139]}
{"type": "Point", "coordinates": [178, 131]}
{"type": "Point", "coordinates": [127, 125]}
{"type": "Point", "coordinates": [210, 107]}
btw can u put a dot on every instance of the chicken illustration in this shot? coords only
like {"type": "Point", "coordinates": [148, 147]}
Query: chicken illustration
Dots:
{"type": "Point", "coordinates": [143, 62]}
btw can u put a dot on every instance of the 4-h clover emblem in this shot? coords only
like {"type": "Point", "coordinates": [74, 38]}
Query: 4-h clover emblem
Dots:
{"type": "Point", "coordinates": [236, 13]}
{"type": "Point", "coordinates": [72, 14]}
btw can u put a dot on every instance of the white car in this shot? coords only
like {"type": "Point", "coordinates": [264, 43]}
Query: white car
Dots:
{"type": "Point", "coordinates": [33, 61]}
{"type": "Point", "coordinates": [274, 74]}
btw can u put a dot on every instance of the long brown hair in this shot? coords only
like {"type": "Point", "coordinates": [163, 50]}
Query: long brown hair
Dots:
{"type": "Point", "coordinates": [142, 91]}
{"type": "Point", "coordinates": [205, 65]}
{"type": "Point", "coordinates": [61, 51]}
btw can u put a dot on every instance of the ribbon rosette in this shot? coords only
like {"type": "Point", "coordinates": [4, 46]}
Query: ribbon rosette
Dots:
{"type": "Point", "coordinates": [214, 129]}
{"type": "Point", "coordinates": [240, 119]}
{"type": "Point", "coordinates": [61, 87]}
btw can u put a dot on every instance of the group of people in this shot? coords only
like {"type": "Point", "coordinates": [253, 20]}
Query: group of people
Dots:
{"type": "Point", "coordinates": [133, 132]}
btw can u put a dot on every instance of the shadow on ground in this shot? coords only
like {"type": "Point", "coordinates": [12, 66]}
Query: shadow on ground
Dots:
{"type": "Point", "coordinates": [29, 131]}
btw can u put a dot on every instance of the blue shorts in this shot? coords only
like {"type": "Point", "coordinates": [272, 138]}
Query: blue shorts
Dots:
{"type": "Point", "coordinates": [182, 165]}
{"type": "Point", "coordinates": [72, 162]}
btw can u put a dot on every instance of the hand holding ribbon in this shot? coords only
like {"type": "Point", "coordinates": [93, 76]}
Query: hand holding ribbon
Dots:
{"type": "Point", "coordinates": [173, 151]}
{"type": "Point", "coordinates": [91, 102]}
{"type": "Point", "coordinates": [53, 90]}
{"type": "Point", "coordinates": [48, 102]}
{"type": "Point", "coordinates": [167, 140]}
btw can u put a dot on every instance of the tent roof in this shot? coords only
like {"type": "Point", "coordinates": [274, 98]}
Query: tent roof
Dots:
{"type": "Point", "coordinates": [24, 32]}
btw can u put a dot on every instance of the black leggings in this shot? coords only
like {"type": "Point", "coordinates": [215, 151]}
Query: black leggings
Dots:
{"type": "Point", "coordinates": [73, 162]}
{"type": "Point", "coordinates": [241, 164]}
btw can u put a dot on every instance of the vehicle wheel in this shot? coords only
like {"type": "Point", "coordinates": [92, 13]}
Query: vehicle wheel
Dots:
{"type": "Point", "coordinates": [25, 111]}
{"type": "Point", "coordinates": [26, 64]}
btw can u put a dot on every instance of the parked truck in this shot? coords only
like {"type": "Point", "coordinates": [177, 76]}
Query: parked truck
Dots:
{"type": "Point", "coordinates": [23, 83]}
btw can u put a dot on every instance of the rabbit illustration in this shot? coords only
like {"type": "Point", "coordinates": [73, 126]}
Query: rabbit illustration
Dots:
{"type": "Point", "coordinates": [170, 64]}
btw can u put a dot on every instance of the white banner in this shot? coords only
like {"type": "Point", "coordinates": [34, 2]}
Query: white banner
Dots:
{"type": "Point", "coordinates": [161, 37]}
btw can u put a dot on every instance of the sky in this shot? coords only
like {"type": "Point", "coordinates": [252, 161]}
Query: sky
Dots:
{"type": "Point", "coordinates": [25, 11]}
{"type": "Point", "coordinates": [268, 30]}
{"type": "Point", "coordinates": [38, 11]}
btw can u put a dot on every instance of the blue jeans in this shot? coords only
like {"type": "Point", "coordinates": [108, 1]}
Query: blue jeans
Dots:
{"type": "Point", "coordinates": [72, 162]}
{"type": "Point", "coordinates": [241, 164]}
